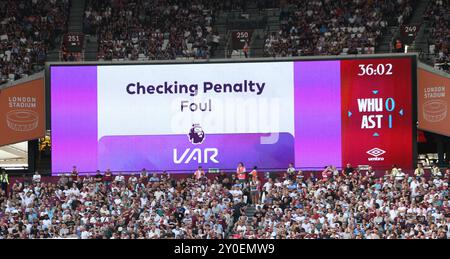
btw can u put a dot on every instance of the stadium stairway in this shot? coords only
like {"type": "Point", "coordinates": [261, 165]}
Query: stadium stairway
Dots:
{"type": "Point", "coordinates": [249, 212]}
{"type": "Point", "coordinates": [273, 20]}
{"type": "Point", "coordinates": [91, 48]}
{"type": "Point", "coordinates": [421, 41]}
{"type": "Point", "coordinates": [252, 19]}
{"type": "Point", "coordinates": [385, 44]}
{"type": "Point", "coordinates": [221, 27]}
{"type": "Point", "coordinates": [420, 44]}
{"type": "Point", "coordinates": [419, 11]}
{"type": "Point", "coordinates": [259, 35]}
{"type": "Point", "coordinates": [53, 55]}
{"type": "Point", "coordinates": [75, 23]}
{"type": "Point", "coordinates": [258, 41]}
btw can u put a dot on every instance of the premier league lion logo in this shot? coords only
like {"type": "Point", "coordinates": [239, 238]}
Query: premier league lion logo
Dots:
{"type": "Point", "coordinates": [196, 135]}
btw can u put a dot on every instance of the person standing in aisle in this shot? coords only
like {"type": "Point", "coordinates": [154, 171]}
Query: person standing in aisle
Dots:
{"type": "Point", "coordinates": [241, 173]}
{"type": "Point", "coordinates": [4, 180]}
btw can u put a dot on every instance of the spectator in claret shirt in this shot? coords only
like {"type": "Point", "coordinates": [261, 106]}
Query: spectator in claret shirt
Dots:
{"type": "Point", "coordinates": [108, 178]}
{"type": "Point", "coordinates": [74, 171]}
{"type": "Point", "coordinates": [74, 175]}
{"type": "Point", "coordinates": [143, 178]}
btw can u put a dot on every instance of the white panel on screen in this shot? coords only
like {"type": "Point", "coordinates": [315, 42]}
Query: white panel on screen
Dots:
{"type": "Point", "coordinates": [263, 103]}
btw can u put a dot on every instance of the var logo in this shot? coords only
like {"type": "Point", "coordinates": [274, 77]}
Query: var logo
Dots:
{"type": "Point", "coordinates": [201, 156]}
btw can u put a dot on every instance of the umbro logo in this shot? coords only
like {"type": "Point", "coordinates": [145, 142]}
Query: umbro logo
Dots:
{"type": "Point", "coordinates": [376, 154]}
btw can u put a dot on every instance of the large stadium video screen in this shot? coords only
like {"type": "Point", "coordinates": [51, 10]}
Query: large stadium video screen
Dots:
{"type": "Point", "coordinates": [312, 113]}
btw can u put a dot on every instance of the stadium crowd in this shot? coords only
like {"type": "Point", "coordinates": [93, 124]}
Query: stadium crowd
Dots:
{"type": "Point", "coordinates": [326, 27]}
{"type": "Point", "coordinates": [28, 29]}
{"type": "Point", "coordinates": [149, 30]}
{"type": "Point", "coordinates": [174, 29]}
{"type": "Point", "coordinates": [352, 204]}
{"type": "Point", "coordinates": [107, 206]}
{"type": "Point", "coordinates": [438, 16]}
{"type": "Point", "coordinates": [334, 204]}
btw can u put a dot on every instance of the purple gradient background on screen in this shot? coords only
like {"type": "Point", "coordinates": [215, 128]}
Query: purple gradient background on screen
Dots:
{"type": "Point", "coordinates": [317, 113]}
{"type": "Point", "coordinates": [74, 118]}
{"type": "Point", "coordinates": [132, 153]}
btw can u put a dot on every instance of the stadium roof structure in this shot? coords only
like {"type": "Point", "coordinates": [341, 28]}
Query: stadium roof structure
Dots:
{"type": "Point", "coordinates": [15, 155]}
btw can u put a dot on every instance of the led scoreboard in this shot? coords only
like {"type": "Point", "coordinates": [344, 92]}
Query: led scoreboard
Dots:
{"type": "Point", "coordinates": [265, 113]}
{"type": "Point", "coordinates": [377, 112]}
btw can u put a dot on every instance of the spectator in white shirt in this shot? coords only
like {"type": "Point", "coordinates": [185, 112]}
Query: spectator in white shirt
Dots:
{"type": "Point", "coordinates": [36, 177]}
{"type": "Point", "coordinates": [435, 171]}
{"type": "Point", "coordinates": [400, 175]}
{"type": "Point", "coordinates": [119, 178]}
